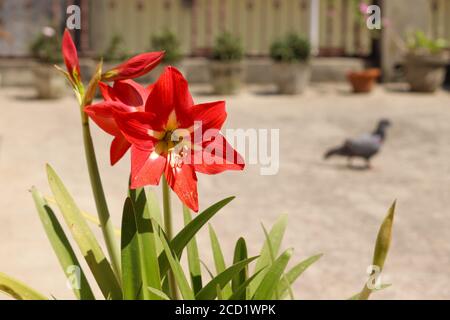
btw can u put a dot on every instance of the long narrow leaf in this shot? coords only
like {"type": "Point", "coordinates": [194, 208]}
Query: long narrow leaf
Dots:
{"type": "Point", "coordinates": [269, 248]}
{"type": "Point", "coordinates": [187, 233]}
{"type": "Point", "coordinates": [131, 264]}
{"type": "Point", "coordinates": [18, 290]}
{"type": "Point", "coordinates": [155, 214]}
{"type": "Point", "coordinates": [237, 294]}
{"type": "Point", "coordinates": [292, 275]}
{"type": "Point", "coordinates": [240, 254]}
{"type": "Point", "coordinates": [177, 270]}
{"type": "Point", "coordinates": [268, 285]}
{"type": "Point", "coordinates": [147, 243]}
{"type": "Point", "coordinates": [193, 256]}
{"type": "Point", "coordinates": [219, 260]}
{"type": "Point", "coordinates": [91, 250]}
{"type": "Point", "coordinates": [209, 291]}
{"type": "Point", "coordinates": [382, 245]}
{"type": "Point", "coordinates": [88, 216]}
{"type": "Point", "coordinates": [159, 293]}
{"type": "Point", "coordinates": [62, 248]}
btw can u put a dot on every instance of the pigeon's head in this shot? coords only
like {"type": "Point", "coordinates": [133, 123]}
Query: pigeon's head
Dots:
{"type": "Point", "coordinates": [380, 130]}
{"type": "Point", "coordinates": [384, 123]}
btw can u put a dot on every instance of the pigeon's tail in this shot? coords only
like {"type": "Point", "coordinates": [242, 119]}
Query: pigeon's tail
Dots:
{"type": "Point", "coordinates": [339, 151]}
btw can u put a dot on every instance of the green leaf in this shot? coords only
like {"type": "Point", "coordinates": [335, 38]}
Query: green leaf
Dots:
{"type": "Point", "coordinates": [155, 214]}
{"type": "Point", "coordinates": [177, 270]}
{"type": "Point", "coordinates": [384, 239]}
{"type": "Point", "coordinates": [240, 254]}
{"type": "Point", "coordinates": [292, 275]}
{"type": "Point", "coordinates": [18, 290]}
{"type": "Point", "coordinates": [184, 236]}
{"type": "Point", "coordinates": [268, 285]}
{"type": "Point", "coordinates": [211, 275]}
{"type": "Point", "coordinates": [193, 256]}
{"type": "Point", "coordinates": [239, 292]}
{"type": "Point", "coordinates": [269, 248]}
{"type": "Point", "coordinates": [62, 247]}
{"type": "Point", "coordinates": [147, 243]}
{"type": "Point", "coordinates": [219, 293]}
{"type": "Point", "coordinates": [381, 250]}
{"type": "Point", "coordinates": [91, 250]}
{"type": "Point", "coordinates": [159, 293]}
{"type": "Point", "coordinates": [131, 264]}
{"type": "Point", "coordinates": [219, 260]}
{"type": "Point", "coordinates": [209, 291]}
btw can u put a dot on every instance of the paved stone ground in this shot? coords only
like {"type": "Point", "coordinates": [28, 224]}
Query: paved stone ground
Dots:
{"type": "Point", "coordinates": [332, 209]}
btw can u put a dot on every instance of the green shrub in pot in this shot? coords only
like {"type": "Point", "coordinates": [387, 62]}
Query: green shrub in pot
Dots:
{"type": "Point", "coordinates": [291, 69]}
{"type": "Point", "coordinates": [426, 62]}
{"type": "Point", "coordinates": [167, 41]}
{"type": "Point", "coordinates": [226, 64]}
{"type": "Point", "coordinates": [45, 49]}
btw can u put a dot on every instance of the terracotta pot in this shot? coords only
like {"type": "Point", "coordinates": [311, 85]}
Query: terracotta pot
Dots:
{"type": "Point", "coordinates": [363, 81]}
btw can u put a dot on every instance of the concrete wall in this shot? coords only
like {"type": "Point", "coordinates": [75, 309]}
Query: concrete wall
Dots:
{"type": "Point", "coordinates": [19, 72]}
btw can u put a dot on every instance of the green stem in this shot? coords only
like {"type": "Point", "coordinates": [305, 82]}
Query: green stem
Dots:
{"type": "Point", "coordinates": [168, 229]}
{"type": "Point", "coordinates": [100, 200]}
{"type": "Point", "coordinates": [365, 293]}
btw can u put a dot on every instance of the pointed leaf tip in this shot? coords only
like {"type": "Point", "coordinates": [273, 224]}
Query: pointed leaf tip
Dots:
{"type": "Point", "coordinates": [384, 238]}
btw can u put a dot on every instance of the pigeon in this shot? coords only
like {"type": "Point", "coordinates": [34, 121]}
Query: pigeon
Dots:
{"type": "Point", "coordinates": [365, 146]}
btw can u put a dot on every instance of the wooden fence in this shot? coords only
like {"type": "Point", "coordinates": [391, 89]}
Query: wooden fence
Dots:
{"type": "Point", "coordinates": [257, 22]}
{"type": "Point", "coordinates": [198, 22]}
{"type": "Point", "coordinates": [440, 19]}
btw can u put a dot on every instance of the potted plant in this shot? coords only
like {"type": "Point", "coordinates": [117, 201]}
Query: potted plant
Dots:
{"type": "Point", "coordinates": [168, 42]}
{"type": "Point", "coordinates": [363, 81]}
{"type": "Point", "coordinates": [226, 68]}
{"type": "Point", "coordinates": [291, 70]}
{"type": "Point", "coordinates": [426, 63]}
{"type": "Point", "coordinates": [45, 49]}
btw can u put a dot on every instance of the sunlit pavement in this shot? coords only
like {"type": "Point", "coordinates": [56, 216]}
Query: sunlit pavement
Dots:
{"type": "Point", "coordinates": [332, 209]}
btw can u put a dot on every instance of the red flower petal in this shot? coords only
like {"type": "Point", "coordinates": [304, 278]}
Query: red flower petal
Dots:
{"type": "Point", "coordinates": [212, 115]}
{"type": "Point", "coordinates": [134, 67]}
{"type": "Point", "coordinates": [183, 182]}
{"type": "Point", "coordinates": [106, 91]}
{"type": "Point", "coordinates": [146, 167]}
{"type": "Point", "coordinates": [137, 128]}
{"type": "Point", "coordinates": [130, 93]}
{"type": "Point", "coordinates": [102, 114]}
{"type": "Point", "coordinates": [170, 93]}
{"type": "Point", "coordinates": [119, 147]}
{"type": "Point", "coordinates": [217, 156]}
{"type": "Point", "coordinates": [71, 57]}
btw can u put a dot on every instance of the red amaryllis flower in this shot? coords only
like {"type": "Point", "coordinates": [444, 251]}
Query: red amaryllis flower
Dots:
{"type": "Point", "coordinates": [71, 58]}
{"type": "Point", "coordinates": [134, 67]}
{"type": "Point", "coordinates": [168, 138]}
{"type": "Point", "coordinates": [123, 96]}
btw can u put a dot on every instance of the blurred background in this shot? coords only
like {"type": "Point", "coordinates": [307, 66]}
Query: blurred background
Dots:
{"type": "Point", "coordinates": [339, 79]}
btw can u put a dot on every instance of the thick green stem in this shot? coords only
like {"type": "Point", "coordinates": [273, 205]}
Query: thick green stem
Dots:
{"type": "Point", "coordinates": [365, 293]}
{"type": "Point", "coordinates": [168, 229]}
{"type": "Point", "coordinates": [100, 200]}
